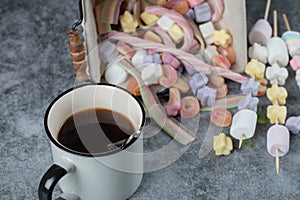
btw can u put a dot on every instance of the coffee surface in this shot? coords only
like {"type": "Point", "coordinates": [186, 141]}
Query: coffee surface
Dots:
{"type": "Point", "coordinates": [92, 131]}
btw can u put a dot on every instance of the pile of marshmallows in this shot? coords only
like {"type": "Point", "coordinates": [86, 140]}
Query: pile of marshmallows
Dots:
{"type": "Point", "coordinates": [165, 69]}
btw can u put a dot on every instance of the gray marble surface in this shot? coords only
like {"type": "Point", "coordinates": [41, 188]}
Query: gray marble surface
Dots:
{"type": "Point", "coordinates": [35, 66]}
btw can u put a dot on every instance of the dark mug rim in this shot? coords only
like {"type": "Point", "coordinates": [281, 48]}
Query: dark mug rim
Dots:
{"type": "Point", "coordinates": [56, 143]}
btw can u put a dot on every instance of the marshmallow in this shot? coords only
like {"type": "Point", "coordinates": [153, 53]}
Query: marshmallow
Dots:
{"type": "Point", "coordinates": [180, 6]}
{"type": "Point", "coordinates": [248, 102]}
{"type": "Point", "coordinates": [210, 52]}
{"type": "Point", "coordinates": [292, 39]}
{"type": "Point", "coordinates": [206, 96]}
{"type": "Point", "coordinates": [276, 113]}
{"type": "Point", "coordinates": [169, 77]}
{"type": "Point", "coordinates": [198, 81]}
{"type": "Point", "coordinates": [277, 52]}
{"type": "Point", "coordinates": [255, 69]}
{"type": "Point", "coordinates": [138, 59]}
{"type": "Point", "coordinates": [222, 144]}
{"type": "Point", "coordinates": [228, 52]}
{"type": "Point", "coordinates": [207, 30]}
{"type": "Point", "coordinates": [250, 86]}
{"type": "Point", "coordinates": [260, 33]}
{"type": "Point", "coordinates": [293, 124]}
{"type": "Point", "coordinates": [222, 38]}
{"type": "Point", "coordinates": [190, 70]}
{"type": "Point", "coordinates": [190, 14]}
{"type": "Point", "coordinates": [115, 75]}
{"type": "Point", "coordinates": [190, 107]}
{"type": "Point", "coordinates": [176, 33]}
{"type": "Point", "coordinates": [259, 53]}
{"type": "Point", "coordinates": [167, 58]}
{"type": "Point", "coordinates": [202, 12]}
{"type": "Point", "coordinates": [221, 117]}
{"type": "Point", "coordinates": [295, 62]}
{"type": "Point", "coordinates": [216, 80]}
{"type": "Point", "coordinates": [151, 73]}
{"type": "Point", "coordinates": [174, 103]}
{"type": "Point", "coordinates": [151, 36]}
{"type": "Point", "coordinates": [278, 137]}
{"type": "Point", "coordinates": [243, 123]}
{"type": "Point", "coordinates": [222, 91]}
{"type": "Point", "coordinates": [276, 74]}
{"type": "Point", "coordinates": [165, 23]}
{"type": "Point", "coordinates": [277, 95]}
{"type": "Point", "coordinates": [193, 3]}
{"type": "Point", "coordinates": [221, 61]}
{"type": "Point", "coordinates": [182, 85]}
{"type": "Point", "coordinates": [107, 51]}
{"type": "Point", "coordinates": [128, 22]}
{"type": "Point", "coordinates": [149, 19]}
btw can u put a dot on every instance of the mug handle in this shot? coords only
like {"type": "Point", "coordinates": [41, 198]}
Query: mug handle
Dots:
{"type": "Point", "coordinates": [49, 180]}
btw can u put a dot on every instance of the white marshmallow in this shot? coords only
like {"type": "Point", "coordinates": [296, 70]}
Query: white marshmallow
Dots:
{"type": "Point", "coordinates": [209, 53]}
{"type": "Point", "coordinates": [259, 53]}
{"type": "Point", "coordinates": [276, 74]}
{"type": "Point", "coordinates": [115, 75]}
{"type": "Point", "coordinates": [165, 23]}
{"type": "Point", "coordinates": [138, 59]}
{"type": "Point", "coordinates": [277, 52]}
{"type": "Point", "coordinates": [152, 73]}
{"type": "Point", "coordinates": [243, 122]}
{"type": "Point", "coordinates": [278, 136]}
{"type": "Point", "coordinates": [207, 30]}
{"type": "Point", "coordinates": [298, 72]}
{"type": "Point", "coordinates": [107, 51]}
{"type": "Point", "coordinates": [260, 33]}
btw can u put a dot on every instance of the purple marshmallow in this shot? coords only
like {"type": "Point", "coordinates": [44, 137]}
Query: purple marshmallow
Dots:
{"type": "Point", "coordinates": [190, 14]}
{"type": "Point", "coordinates": [206, 96]}
{"type": "Point", "coordinates": [202, 12]}
{"type": "Point", "coordinates": [190, 70]}
{"type": "Point", "coordinates": [198, 81]}
{"type": "Point", "coordinates": [250, 86]}
{"type": "Point", "coordinates": [293, 124]}
{"type": "Point", "coordinates": [248, 102]}
{"type": "Point", "coordinates": [156, 58]}
{"type": "Point", "coordinates": [148, 59]}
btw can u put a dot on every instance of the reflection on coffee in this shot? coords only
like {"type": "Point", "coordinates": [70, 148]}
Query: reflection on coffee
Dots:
{"type": "Point", "coordinates": [92, 131]}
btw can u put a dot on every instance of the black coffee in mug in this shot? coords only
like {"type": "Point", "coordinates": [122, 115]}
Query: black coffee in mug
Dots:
{"type": "Point", "coordinates": [94, 130]}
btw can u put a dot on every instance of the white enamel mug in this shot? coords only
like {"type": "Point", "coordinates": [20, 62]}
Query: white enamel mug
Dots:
{"type": "Point", "coordinates": [112, 175]}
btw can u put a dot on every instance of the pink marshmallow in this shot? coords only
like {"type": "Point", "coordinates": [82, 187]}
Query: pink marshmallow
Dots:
{"type": "Point", "coordinates": [173, 108]}
{"type": "Point", "coordinates": [295, 63]}
{"type": "Point", "coordinates": [171, 60]}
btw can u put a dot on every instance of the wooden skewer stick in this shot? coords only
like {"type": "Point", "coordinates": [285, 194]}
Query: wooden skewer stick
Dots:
{"type": "Point", "coordinates": [277, 160]}
{"type": "Point", "coordinates": [267, 9]}
{"type": "Point", "coordinates": [241, 140]}
{"type": "Point", "coordinates": [286, 22]}
{"type": "Point", "coordinates": [275, 29]}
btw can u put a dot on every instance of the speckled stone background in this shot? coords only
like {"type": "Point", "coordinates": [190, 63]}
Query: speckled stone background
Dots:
{"type": "Point", "coordinates": [35, 66]}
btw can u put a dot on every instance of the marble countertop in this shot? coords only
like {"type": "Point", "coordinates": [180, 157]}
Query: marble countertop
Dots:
{"type": "Point", "coordinates": [35, 67]}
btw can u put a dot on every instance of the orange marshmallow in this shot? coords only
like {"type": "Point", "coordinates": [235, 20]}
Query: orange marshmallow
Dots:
{"type": "Point", "coordinates": [221, 117]}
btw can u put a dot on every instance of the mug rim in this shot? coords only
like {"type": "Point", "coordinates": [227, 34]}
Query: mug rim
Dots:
{"type": "Point", "coordinates": [62, 147]}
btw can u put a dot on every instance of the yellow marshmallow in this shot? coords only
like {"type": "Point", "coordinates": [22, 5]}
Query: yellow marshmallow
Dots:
{"type": "Point", "coordinates": [128, 22]}
{"type": "Point", "coordinates": [255, 69]}
{"type": "Point", "coordinates": [149, 18]}
{"type": "Point", "coordinates": [277, 95]}
{"type": "Point", "coordinates": [222, 38]}
{"type": "Point", "coordinates": [222, 144]}
{"type": "Point", "coordinates": [276, 113]}
{"type": "Point", "coordinates": [176, 33]}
